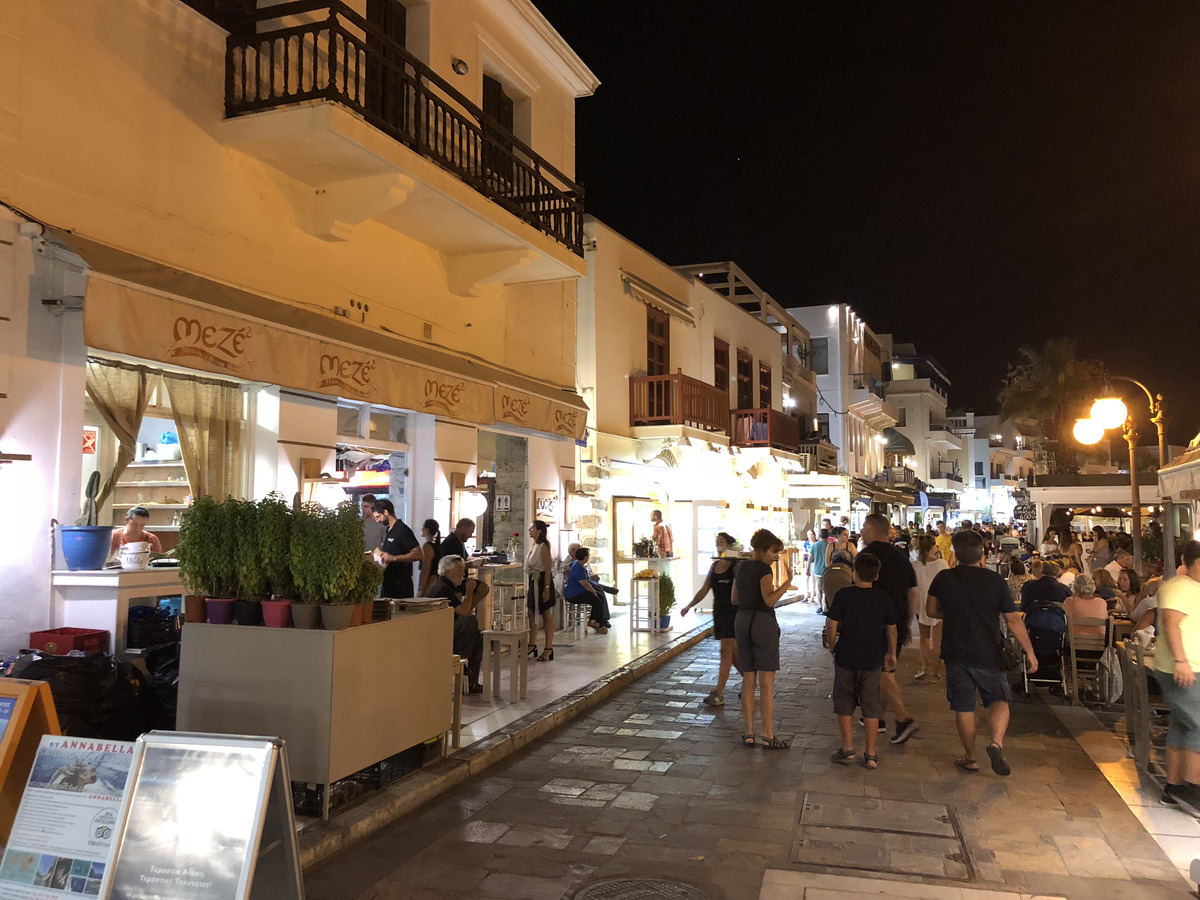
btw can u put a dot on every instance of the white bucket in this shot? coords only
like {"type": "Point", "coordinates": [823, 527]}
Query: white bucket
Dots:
{"type": "Point", "coordinates": [135, 555]}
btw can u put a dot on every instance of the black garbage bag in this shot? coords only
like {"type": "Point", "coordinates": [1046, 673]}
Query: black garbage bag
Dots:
{"type": "Point", "coordinates": [162, 662]}
{"type": "Point", "coordinates": [95, 696]}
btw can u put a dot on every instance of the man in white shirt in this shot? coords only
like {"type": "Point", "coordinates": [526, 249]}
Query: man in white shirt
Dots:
{"type": "Point", "coordinates": [1176, 662]}
{"type": "Point", "coordinates": [1122, 560]}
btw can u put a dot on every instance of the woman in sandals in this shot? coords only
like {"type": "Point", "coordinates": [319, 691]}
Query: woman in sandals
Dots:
{"type": "Point", "coordinates": [757, 633]}
{"type": "Point", "coordinates": [720, 581]}
{"type": "Point", "coordinates": [539, 596]}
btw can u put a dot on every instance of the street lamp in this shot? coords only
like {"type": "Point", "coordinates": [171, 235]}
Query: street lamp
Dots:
{"type": "Point", "coordinates": [1109, 411]}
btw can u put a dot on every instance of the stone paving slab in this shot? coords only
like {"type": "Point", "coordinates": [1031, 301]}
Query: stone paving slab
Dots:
{"type": "Point", "coordinates": [569, 809]}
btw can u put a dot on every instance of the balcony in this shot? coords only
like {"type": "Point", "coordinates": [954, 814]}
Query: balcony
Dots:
{"type": "Point", "coordinates": [315, 91]}
{"type": "Point", "coordinates": [765, 428]}
{"type": "Point", "coordinates": [898, 476]}
{"type": "Point", "coordinates": [823, 456]}
{"type": "Point", "coordinates": [867, 399]}
{"type": "Point", "coordinates": [677, 400]}
{"type": "Point", "coordinates": [942, 438]}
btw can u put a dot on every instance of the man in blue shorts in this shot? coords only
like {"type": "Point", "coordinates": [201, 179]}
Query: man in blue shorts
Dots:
{"type": "Point", "coordinates": [1176, 661]}
{"type": "Point", "coordinates": [969, 599]}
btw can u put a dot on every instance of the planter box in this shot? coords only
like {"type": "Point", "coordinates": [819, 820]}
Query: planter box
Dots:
{"type": "Point", "coordinates": [61, 641]}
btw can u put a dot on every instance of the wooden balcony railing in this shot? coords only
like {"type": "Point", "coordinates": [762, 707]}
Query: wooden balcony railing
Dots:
{"type": "Point", "coordinates": [677, 400]}
{"type": "Point", "coordinates": [765, 428]}
{"type": "Point", "coordinates": [303, 50]}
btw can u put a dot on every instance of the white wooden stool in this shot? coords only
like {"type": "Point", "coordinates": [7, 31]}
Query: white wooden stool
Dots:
{"type": "Point", "coordinates": [517, 643]}
{"type": "Point", "coordinates": [458, 667]}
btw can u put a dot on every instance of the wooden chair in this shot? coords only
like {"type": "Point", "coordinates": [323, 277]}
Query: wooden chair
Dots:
{"type": "Point", "coordinates": [1084, 651]}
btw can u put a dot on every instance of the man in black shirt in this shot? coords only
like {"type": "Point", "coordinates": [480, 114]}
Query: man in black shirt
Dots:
{"type": "Point", "coordinates": [454, 544]}
{"type": "Point", "coordinates": [969, 599]}
{"type": "Point", "coordinates": [899, 581]}
{"type": "Point", "coordinates": [399, 550]}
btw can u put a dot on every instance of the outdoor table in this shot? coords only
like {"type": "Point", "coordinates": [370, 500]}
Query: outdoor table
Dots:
{"type": "Point", "coordinates": [1122, 628]}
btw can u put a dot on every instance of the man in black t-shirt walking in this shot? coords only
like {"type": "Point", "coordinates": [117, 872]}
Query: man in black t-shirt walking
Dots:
{"type": "Point", "coordinates": [899, 581]}
{"type": "Point", "coordinates": [969, 599]}
{"type": "Point", "coordinates": [399, 550]}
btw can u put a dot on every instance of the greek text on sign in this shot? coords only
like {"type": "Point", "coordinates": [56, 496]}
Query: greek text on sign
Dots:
{"type": "Point", "coordinates": [1025, 511]}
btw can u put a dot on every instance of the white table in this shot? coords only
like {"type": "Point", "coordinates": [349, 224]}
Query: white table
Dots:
{"type": "Point", "coordinates": [101, 598]}
{"type": "Point", "coordinates": [643, 609]}
{"type": "Point", "coordinates": [517, 643]}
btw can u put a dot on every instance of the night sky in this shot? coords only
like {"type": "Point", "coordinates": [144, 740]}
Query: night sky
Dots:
{"type": "Point", "coordinates": [968, 176]}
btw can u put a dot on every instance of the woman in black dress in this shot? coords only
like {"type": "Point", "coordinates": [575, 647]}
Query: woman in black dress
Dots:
{"type": "Point", "coordinates": [757, 634]}
{"type": "Point", "coordinates": [720, 581]}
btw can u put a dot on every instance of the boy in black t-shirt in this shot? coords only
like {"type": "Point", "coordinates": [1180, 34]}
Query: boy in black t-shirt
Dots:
{"type": "Point", "coordinates": [860, 631]}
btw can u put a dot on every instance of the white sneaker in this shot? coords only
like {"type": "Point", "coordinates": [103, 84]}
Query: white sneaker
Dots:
{"type": "Point", "coordinates": [714, 699]}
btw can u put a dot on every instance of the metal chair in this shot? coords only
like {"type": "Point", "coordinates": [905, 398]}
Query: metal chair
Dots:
{"type": "Point", "coordinates": [1085, 651]}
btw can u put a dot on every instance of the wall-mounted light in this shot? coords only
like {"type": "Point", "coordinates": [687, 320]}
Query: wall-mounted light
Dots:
{"type": "Point", "coordinates": [459, 66]}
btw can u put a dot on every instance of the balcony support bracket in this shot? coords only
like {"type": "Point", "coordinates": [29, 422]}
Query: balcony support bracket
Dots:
{"type": "Point", "coordinates": [469, 275]}
{"type": "Point", "coordinates": [336, 208]}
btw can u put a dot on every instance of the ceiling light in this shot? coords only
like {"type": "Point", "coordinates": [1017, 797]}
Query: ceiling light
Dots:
{"type": "Point", "coordinates": [459, 66]}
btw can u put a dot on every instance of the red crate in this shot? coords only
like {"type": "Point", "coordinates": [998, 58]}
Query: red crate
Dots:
{"type": "Point", "coordinates": [61, 641]}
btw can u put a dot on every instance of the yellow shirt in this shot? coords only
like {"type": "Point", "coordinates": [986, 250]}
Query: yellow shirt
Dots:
{"type": "Point", "coordinates": [944, 544]}
{"type": "Point", "coordinates": [1183, 594]}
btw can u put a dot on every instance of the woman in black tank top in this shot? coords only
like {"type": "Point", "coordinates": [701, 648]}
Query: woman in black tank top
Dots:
{"type": "Point", "coordinates": [720, 581]}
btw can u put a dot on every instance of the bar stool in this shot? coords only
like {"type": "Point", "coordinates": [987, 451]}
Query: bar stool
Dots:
{"type": "Point", "coordinates": [517, 643]}
{"type": "Point", "coordinates": [458, 667]}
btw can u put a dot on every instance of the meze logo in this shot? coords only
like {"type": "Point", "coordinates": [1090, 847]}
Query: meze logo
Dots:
{"type": "Point", "coordinates": [515, 409]}
{"type": "Point", "coordinates": [565, 421]}
{"type": "Point", "coordinates": [443, 395]}
{"type": "Point", "coordinates": [218, 345]}
{"type": "Point", "coordinates": [350, 375]}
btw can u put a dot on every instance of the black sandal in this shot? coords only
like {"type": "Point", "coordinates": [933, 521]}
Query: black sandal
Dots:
{"type": "Point", "coordinates": [749, 740]}
{"type": "Point", "coordinates": [776, 743]}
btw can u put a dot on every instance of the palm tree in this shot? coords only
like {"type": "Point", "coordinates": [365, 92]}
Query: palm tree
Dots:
{"type": "Point", "coordinates": [1053, 386]}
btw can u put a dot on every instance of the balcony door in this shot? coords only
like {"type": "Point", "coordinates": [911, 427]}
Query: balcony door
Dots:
{"type": "Point", "coordinates": [387, 95]}
{"type": "Point", "coordinates": [497, 145]}
{"type": "Point", "coordinates": [745, 381]}
{"type": "Point", "coordinates": [658, 342]}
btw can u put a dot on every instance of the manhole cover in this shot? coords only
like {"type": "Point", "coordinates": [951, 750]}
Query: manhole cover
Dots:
{"type": "Point", "coordinates": [641, 889]}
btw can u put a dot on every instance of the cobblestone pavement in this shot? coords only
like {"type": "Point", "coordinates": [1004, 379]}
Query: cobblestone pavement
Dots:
{"type": "Point", "coordinates": [654, 784]}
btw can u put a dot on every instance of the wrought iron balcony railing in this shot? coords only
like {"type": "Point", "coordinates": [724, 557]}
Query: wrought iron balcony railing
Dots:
{"type": "Point", "coordinates": [305, 50]}
{"type": "Point", "coordinates": [765, 428]}
{"type": "Point", "coordinates": [677, 400]}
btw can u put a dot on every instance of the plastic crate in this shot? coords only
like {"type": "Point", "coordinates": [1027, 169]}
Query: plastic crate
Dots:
{"type": "Point", "coordinates": [61, 641]}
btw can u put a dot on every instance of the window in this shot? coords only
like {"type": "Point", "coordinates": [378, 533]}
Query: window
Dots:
{"type": "Point", "coordinates": [979, 468]}
{"type": "Point", "coordinates": [386, 96]}
{"type": "Point", "coordinates": [658, 342]}
{"type": "Point", "coordinates": [823, 425]}
{"type": "Point", "coordinates": [721, 365]}
{"type": "Point", "coordinates": [901, 416]}
{"type": "Point", "coordinates": [745, 379]}
{"type": "Point", "coordinates": [764, 386]}
{"type": "Point", "coordinates": [818, 355]}
{"type": "Point", "coordinates": [497, 148]}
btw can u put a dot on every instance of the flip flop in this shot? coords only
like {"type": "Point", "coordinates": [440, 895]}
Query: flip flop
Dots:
{"type": "Point", "coordinates": [999, 764]}
{"type": "Point", "coordinates": [967, 764]}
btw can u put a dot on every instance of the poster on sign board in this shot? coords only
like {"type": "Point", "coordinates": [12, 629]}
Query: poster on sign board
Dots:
{"type": "Point", "coordinates": [62, 838]}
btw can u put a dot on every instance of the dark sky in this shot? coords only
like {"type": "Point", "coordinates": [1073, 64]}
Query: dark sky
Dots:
{"type": "Point", "coordinates": [969, 176]}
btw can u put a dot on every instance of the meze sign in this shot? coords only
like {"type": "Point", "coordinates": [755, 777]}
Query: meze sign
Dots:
{"type": "Point", "coordinates": [1027, 512]}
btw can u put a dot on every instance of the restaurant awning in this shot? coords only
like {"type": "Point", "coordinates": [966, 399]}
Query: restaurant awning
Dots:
{"type": "Point", "coordinates": [897, 442]}
{"type": "Point", "coordinates": [641, 289]}
{"type": "Point", "coordinates": [144, 309]}
{"type": "Point", "coordinates": [1180, 479]}
{"type": "Point", "coordinates": [881, 493]}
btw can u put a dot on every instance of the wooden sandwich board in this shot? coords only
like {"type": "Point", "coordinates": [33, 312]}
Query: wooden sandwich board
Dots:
{"type": "Point", "coordinates": [26, 713]}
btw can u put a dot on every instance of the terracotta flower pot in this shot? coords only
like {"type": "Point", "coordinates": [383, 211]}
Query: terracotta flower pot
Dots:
{"type": "Point", "coordinates": [356, 616]}
{"type": "Point", "coordinates": [277, 613]}
{"type": "Point", "coordinates": [194, 608]}
{"type": "Point", "coordinates": [336, 617]}
{"type": "Point", "coordinates": [306, 615]}
{"type": "Point", "coordinates": [368, 612]}
{"type": "Point", "coordinates": [220, 611]}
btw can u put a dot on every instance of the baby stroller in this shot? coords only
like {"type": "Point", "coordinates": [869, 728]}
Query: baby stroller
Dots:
{"type": "Point", "coordinates": [1047, 626]}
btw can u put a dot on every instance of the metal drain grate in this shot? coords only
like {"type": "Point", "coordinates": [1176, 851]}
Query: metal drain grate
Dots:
{"type": "Point", "coordinates": [641, 889]}
{"type": "Point", "coordinates": [901, 837]}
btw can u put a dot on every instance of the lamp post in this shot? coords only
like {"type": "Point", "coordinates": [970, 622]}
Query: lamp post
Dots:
{"type": "Point", "coordinates": [1110, 411]}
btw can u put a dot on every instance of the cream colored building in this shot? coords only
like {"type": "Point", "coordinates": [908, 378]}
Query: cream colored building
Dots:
{"type": "Point", "coordinates": [687, 412]}
{"type": "Point", "coordinates": [362, 221]}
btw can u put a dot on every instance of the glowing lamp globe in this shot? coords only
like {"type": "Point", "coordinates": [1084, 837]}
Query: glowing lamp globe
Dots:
{"type": "Point", "coordinates": [1109, 412]}
{"type": "Point", "coordinates": [1088, 431]}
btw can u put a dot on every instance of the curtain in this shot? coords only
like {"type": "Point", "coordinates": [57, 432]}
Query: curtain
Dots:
{"type": "Point", "coordinates": [120, 394]}
{"type": "Point", "coordinates": [208, 416]}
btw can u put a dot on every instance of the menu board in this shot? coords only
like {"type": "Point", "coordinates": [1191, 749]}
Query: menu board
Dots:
{"type": "Point", "coordinates": [197, 814]}
{"type": "Point", "coordinates": [62, 837]}
{"type": "Point", "coordinates": [7, 706]}
{"type": "Point", "coordinates": [26, 713]}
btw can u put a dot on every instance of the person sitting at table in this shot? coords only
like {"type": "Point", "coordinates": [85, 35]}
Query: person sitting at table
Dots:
{"type": "Point", "coordinates": [1129, 588]}
{"type": "Point", "coordinates": [605, 588]}
{"type": "Point", "coordinates": [578, 587]}
{"type": "Point", "coordinates": [463, 595]}
{"type": "Point", "coordinates": [134, 532]}
{"type": "Point", "coordinates": [1069, 572]}
{"type": "Point", "coordinates": [1084, 604]}
{"type": "Point", "coordinates": [1018, 577]}
{"type": "Point", "coordinates": [1046, 588]}
{"type": "Point", "coordinates": [1106, 586]}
